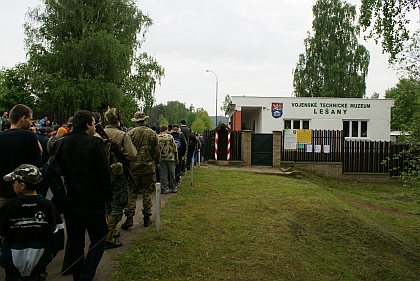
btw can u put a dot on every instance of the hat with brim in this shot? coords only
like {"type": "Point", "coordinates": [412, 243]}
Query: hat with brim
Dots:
{"type": "Point", "coordinates": [139, 116]}
{"type": "Point", "coordinates": [26, 173]}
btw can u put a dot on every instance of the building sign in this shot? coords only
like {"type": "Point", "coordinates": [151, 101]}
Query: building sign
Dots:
{"type": "Point", "coordinates": [304, 136]}
{"type": "Point", "coordinates": [324, 108]}
{"type": "Point", "coordinates": [277, 109]}
{"type": "Point", "coordinates": [290, 137]}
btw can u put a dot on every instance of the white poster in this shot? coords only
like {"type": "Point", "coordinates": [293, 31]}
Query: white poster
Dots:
{"type": "Point", "coordinates": [309, 148]}
{"type": "Point", "coordinates": [289, 139]}
{"type": "Point", "coordinates": [326, 148]}
{"type": "Point", "coordinates": [317, 148]}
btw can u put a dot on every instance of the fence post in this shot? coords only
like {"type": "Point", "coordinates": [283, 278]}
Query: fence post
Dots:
{"type": "Point", "coordinates": [247, 147]}
{"type": "Point", "coordinates": [158, 224]}
{"type": "Point", "coordinates": [276, 148]}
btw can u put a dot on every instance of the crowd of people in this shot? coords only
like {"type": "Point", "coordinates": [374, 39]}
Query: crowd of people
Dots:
{"type": "Point", "coordinates": [104, 170]}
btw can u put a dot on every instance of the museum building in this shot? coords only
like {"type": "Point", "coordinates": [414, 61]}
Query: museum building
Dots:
{"type": "Point", "coordinates": [360, 119]}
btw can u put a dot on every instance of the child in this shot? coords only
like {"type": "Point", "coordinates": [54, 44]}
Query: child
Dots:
{"type": "Point", "coordinates": [32, 228]}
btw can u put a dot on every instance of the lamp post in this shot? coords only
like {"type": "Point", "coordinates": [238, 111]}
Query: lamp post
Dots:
{"type": "Point", "coordinates": [217, 86]}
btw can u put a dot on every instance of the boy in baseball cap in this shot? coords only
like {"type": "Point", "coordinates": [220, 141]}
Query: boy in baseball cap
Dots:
{"type": "Point", "coordinates": [31, 225]}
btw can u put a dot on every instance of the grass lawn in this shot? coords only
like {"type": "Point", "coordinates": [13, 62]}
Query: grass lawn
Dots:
{"type": "Point", "coordinates": [237, 225]}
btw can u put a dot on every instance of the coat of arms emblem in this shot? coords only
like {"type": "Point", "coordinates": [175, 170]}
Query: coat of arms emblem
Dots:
{"type": "Point", "coordinates": [277, 109]}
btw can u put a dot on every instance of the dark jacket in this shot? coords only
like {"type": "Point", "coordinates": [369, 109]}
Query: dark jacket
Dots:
{"type": "Point", "coordinates": [184, 145]}
{"type": "Point", "coordinates": [17, 147]}
{"type": "Point", "coordinates": [83, 161]}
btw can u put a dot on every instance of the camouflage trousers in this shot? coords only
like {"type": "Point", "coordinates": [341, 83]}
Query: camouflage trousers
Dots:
{"type": "Point", "coordinates": [119, 187]}
{"type": "Point", "coordinates": [145, 184]}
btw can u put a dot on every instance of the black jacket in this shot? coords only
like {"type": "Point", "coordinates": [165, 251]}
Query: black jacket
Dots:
{"type": "Point", "coordinates": [83, 161]}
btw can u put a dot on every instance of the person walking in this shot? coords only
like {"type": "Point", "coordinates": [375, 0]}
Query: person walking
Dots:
{"type": "Point", "coordinates": [83, 161]}
{"type": "Point", "coordinates": [128, 152]}
{"type": "Point", "coordinates": [143, 169]}
{"type": "Point", "coordinates": [181, 147]}
{"type": "Point", "coordinates": [168, 160]}
{"type": "Point", "coordinates": [17, 146]}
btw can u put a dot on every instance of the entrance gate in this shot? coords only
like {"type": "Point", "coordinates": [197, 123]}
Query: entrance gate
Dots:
{"type": "Point", "coordinates": [262, 150]}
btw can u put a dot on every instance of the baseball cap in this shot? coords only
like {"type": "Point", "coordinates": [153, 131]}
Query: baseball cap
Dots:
{"type": "Point", "coordinates": [26, 173]}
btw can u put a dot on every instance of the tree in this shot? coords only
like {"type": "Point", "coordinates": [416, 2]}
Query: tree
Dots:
{"type": "Point", "coordinates": [14, 88]}
{"type": "Point", "coordinates": [175, 111]}
{"type": "Point", "coordinates": [334, 63]}
{"type": "Point", "coordinates": [387, 20]}
{"type": "Point", "coordinates": [155, 113]}
{"type": "Point", "coordinates": [203, 115]}
{"type": "Point", "coordinates": [226, 103]}
{"type": "Point", "coordinates": [375, 95]}
{"type": "Point", "coordinates": [83, 55]}
{"type": "Point", "coordinates": [406, 110]}
{"type": "Point", "coordinates": [198, 126]}
{"type": "Point", "coordinates": [408, 60]}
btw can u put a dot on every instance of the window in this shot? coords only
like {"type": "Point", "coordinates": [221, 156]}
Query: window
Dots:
{"type": "Point", "coordinates": [355, 129]}
{"type": "Point", "coordinates": [296, 124]}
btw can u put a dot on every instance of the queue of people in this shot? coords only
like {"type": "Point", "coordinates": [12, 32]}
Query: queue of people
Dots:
{"type": "Point", "coordinates": [105, 170]}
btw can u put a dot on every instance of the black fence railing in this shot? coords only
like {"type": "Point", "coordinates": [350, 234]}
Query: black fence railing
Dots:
{"type": "Point", "coordinates": [325, 147]}
{"type": "Point", "coordinates": [235, 145]}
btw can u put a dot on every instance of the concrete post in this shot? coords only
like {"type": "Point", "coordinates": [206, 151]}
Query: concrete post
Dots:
{"type": "Point", "coordinates": [246, 147]}
{"type": "Point", "coordinates": [277, 139]}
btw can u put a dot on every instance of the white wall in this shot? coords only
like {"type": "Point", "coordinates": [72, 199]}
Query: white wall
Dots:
{"type": "Point", "coordinates": [377, 112]}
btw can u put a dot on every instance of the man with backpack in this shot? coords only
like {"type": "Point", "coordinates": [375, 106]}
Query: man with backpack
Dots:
{"type": "Point", "coordinates": [181, 145]}
{"type": "Point", "coordinates": [168, 160]}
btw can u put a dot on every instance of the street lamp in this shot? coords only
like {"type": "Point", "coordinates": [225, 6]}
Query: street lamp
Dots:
{"type": "Point", "coordinates": [217, 86]}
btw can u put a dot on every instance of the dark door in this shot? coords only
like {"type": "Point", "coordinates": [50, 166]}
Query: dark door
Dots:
{"type": "Point", "coordinates": [262, 150]}
{"type": "Point", "coordinates": [222, 144]}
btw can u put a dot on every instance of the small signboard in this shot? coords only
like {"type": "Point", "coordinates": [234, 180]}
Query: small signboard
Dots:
{"type": "Point", "coordinates": [290, 139]}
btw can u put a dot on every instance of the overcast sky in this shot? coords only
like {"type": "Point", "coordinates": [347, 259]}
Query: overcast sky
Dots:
{"type": "Point", "coordinates": [251, 45]}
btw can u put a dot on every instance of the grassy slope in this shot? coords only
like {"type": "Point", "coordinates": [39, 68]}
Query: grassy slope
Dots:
{"type": "Point", "coordinates": [234, 225]}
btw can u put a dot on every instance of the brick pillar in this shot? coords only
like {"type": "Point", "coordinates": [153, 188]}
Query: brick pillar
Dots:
{"type": "Point", "coordinates": [246, 147]}
{"type": "Point", "coordinates": [277, 138]}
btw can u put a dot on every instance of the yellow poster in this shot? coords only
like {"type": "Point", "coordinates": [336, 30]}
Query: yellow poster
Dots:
{"type": "Point", "coordinates": [304, 136]}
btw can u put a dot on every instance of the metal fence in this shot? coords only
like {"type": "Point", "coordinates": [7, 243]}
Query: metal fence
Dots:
{"type": "Point", "coordinates": [235, 145]}
{"type": "Point", "coordinates": [326, 146]}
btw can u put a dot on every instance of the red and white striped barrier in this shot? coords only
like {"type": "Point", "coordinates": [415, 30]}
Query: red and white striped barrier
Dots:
{"type": "Point", "coordinates": [216, 142]}
{"type": "Point", "coordinates": [228, 146]}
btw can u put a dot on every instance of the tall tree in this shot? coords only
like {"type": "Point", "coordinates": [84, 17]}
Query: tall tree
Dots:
{"type": "Point", "coordinates": [175, 111]}
{"type": "Point", "coordinates": [15, 88]}
{"type": "Point", "coordinates": [387, 21]}
{"type": "Point", "coordinates": [334, 63]}
{"type": "Point", "coordinates": [406, 110]}
{"type": "Point", "coordinates": [408, 60]}
{"type": "Point", "coordinates": [82, 54]}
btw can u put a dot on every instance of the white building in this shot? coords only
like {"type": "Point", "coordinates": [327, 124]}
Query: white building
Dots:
{"type": "Point", "coordinates": [367, 119]}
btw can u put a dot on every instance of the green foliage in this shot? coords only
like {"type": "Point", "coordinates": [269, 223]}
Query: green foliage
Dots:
{"type": "Point", "coordinates": [15, 88]}
{"type": "Point", "coordinates": [406, 110]}
{"type": "Point", "coordinates": [163, 121]}
{"type": "Point", "coordinates": [83, 55]}
{"type": "Point", "coordinates": [154, 114]}
{"type": "Point", "coordinates": [226, 103]}
{"type": "Point", "coordinates": [198, 126]}
{"type": "Point", "coordinates": [386, 20]}
{"type": "Point", "coordinates": [175, 111]}
{"type": "Point", "coordinates": [408, 60]}
{"type": "Point", "coordinates": [334, 63]}
{"type": "Point", "coordinates": [204, 116]}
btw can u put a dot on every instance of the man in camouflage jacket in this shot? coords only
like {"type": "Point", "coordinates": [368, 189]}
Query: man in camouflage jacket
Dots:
{"type": "Point", "coordinates": [143, 168]}
{"type": "Point", "coordinates": [169, 158]}
{"type": "Point", "coordinates": [126, 148]}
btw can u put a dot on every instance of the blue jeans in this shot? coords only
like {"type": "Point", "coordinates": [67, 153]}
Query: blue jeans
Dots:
{"type": "Point", "coordinates": [78, 221]}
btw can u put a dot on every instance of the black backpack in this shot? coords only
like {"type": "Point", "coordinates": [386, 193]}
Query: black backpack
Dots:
{"type": "Point", "coordinates": [53, 185]}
